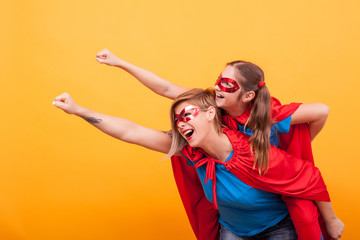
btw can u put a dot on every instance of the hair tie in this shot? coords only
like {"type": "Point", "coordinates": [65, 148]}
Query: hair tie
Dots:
{"type": "Point", "coordinates": [262, 83]}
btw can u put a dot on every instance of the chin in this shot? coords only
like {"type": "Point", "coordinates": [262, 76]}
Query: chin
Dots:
{"type": "Point", "coordinates": [197, 144]}
{"type": "Point", "coordinates": [219, 102]}
{"type": "Point", "coordinates": [192, 144]}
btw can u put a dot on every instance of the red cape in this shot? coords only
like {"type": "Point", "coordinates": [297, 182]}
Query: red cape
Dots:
{"type": "Point", "coordinates": [204, 218]}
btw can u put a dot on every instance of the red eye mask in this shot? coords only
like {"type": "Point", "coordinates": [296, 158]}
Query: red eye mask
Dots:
{"type": "Point", "coordinates": [227, 84]}
{"type": "Point", "coordinates": [187, 114]}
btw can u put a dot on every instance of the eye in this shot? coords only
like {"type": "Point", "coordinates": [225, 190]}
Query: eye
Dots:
{"type": "Point", "coordinates": [227, 84]}
{"type": "Point", "coordinates": [187, 114]}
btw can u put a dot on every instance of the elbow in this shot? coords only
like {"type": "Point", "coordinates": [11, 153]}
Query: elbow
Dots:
{"type": "Point", "coordinates": [324, 110]}
{"type": "Point", "coordinates": [166, 92]}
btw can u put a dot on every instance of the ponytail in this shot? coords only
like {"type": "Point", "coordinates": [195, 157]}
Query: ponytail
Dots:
{"type": "Point", "coordinates": [252, 79]}
{"type": "Point", "coordinates": [260, 124]}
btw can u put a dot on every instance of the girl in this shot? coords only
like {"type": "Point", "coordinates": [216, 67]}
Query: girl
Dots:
{"type": "Point", "coordinates": [235, 101]}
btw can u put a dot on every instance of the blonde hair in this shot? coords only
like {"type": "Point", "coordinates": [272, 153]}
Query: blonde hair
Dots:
{"type": "Point", "coordinates": [201, 98]}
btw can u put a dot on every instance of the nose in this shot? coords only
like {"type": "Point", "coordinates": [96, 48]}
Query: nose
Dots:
{"type": "Point", "coordinates": [181, 124]}
{"type": "Point", "coordinates": [216, 87]}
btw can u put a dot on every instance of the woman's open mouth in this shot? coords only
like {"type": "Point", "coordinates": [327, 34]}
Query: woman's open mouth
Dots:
{"type": "Point", "coordinates": [188, 133]}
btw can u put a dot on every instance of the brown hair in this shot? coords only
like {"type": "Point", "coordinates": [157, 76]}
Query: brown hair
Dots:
{"type": "Point", "coordinates": [250, 75]}
{"type": "Point", "coordinates": [201, 98]}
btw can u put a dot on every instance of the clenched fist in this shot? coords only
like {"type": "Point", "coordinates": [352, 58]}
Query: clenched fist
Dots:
{"type": "Point", "coordinates": [106, 57]}
{"type": "Point", "coordinates": [66, 103]}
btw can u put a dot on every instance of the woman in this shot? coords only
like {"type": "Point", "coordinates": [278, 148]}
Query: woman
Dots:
{"type": "Point", "coordinates": [211, 149]}
{"type": "Point", "coordinates": [201, 136]}
{"type": "Point", "coordinates": [242, 94]}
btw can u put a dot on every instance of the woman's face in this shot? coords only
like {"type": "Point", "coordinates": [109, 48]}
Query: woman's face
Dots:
{"type": "Point", "coordinates": [192, 123]}
{"type": "Point", "coordinates": [229, 101]}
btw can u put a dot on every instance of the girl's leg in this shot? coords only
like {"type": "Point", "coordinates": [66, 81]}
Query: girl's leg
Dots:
{"type": "Point", "coordinates": [225, 234]}
{"type": "Point", "coordinates": [284, 230]}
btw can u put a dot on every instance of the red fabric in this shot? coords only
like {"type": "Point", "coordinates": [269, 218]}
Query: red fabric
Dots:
{"type": "Point", "coordinates": [287, 175]}
{"type": "Point", "coordinates": [278, 113]}
{"type": "Point", "coordinates": [201, 213]}
{"type": "Point", "coordinates": [308, 223]}
{"type": "Point", "coordinates": [204, 218]}
{"type": "Point", "coordinates": [210, 173]}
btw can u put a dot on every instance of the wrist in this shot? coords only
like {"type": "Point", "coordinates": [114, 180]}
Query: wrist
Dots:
{"type": "Point", "coordinates": [329, 218]}
{"type": "Point", "coordinates": [119, 62]}
{"type": "Point", "coordinates": [79, 111]}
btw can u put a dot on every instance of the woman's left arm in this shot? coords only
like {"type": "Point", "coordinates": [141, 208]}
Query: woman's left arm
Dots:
{"type": "Point", "coordinates": [315, 114]}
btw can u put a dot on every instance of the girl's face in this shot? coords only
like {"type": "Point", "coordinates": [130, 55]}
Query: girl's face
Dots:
{"type": "Point", "coordinates": [229, 100]}
{"type": "Point", "coordinates": [192, 123]}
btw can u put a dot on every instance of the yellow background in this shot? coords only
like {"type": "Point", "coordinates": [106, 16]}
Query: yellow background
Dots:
{"type": "Point", "coordinates": [60, 178]}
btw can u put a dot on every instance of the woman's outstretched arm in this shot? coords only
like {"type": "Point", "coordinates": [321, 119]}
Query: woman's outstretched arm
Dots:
{"type": "Point", "coordinates": [117, 127]}
{"type": "Point", "coordinates": [157, 84]}
{"type": "Point", "coordinates": [313, 113]}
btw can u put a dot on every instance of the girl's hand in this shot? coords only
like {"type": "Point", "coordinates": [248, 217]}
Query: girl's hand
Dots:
{"type": "Point", "coordinates": [106, 57]}
{"type": "Point", "coordinates": [66, 103]}
{"type": "Point", "coordinates": [335, 228]}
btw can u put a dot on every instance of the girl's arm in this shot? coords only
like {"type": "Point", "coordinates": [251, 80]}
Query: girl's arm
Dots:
{"type": "Point", "coordinates": [333, 225]}
{"type": "Point", "coordinates": [313, 113]}
{"type": "Point", "coordinates": [157, 84]}
{"type": "Point", "coordinates": [316, 115]}
{"type": "Point", "coordinates": [117, 127]}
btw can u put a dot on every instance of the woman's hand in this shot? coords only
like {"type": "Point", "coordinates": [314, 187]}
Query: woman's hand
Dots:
{"type": "Point", "coordinates": [107, 57]}
{"type": "Point", "coordinates": [66, 103]}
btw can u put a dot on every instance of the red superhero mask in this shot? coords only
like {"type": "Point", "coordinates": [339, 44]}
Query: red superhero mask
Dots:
{"type": "Point", "coordinates": [227, 84]}
{"type": "Point", "coordinates": [187, 114]}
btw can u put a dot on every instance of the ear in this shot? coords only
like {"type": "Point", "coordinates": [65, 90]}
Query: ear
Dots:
{"type": "Point", "coordinates": [248, 96]}
{"type": "Point", "coordinates": [210, 113]}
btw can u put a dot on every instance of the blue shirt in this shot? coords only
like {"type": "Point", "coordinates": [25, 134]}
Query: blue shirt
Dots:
{"type": "Point", "coordinates": [279, 127]}
{"type": "Point", "coordinates": [244, 210]}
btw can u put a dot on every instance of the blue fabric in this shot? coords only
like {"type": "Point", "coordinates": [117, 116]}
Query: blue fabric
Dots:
{"type": "Point", "coordinates": [279, 127]}
{"type": "Point", "coordinates": [243, 210]}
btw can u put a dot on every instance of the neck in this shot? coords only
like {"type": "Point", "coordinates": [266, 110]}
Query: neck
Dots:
{"type": "Point", "coordinates": [218, 147]}
{"type": "Point", "coordinates": [237, 111]}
